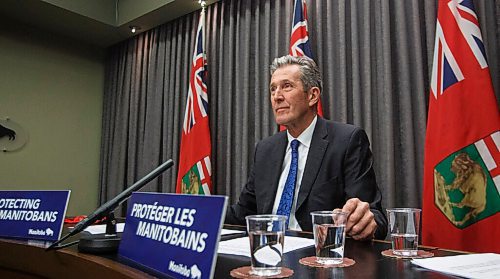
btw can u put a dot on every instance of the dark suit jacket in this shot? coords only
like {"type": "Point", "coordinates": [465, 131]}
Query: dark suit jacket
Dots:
{"type": "Point", "coordinates": [339, 167]}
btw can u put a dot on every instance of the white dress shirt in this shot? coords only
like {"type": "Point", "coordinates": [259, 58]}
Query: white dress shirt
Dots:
{"type": "Point", "coordinates": [304, 139]}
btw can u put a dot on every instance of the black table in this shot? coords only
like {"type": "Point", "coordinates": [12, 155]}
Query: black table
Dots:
{"type": "Point", "coordinates": [370, 263]}
{"type": "Point", "coordinates": [28, 259]}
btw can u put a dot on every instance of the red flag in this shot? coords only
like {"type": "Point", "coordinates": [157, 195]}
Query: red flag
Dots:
{"type": "Point", "coordinates": [194, 176]}
{"type": "Point", "coordinates": [462, 149]}
{"type": "Point", "coordinates": [299, 38]}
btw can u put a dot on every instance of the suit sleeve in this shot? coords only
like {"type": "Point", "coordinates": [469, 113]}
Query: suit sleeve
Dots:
{"type": "Point", "coordinates": [246, 204]}
{"type": "Point", "coordinates": [359, 178]}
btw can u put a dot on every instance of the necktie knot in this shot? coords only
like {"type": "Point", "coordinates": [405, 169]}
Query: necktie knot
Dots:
{"type": "Point", "coordinates": [295, 145]}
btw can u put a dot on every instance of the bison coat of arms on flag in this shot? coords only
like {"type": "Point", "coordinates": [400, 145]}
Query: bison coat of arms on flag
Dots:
{"type": "Point", "coordinates": [195, 180]}
{"type": "Point", "coordinates": [466, 183]}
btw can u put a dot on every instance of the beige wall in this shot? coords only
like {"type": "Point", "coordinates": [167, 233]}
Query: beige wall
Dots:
{"type": "Point", "coordinates": [101, 10]}
{"type": "Point", "coordinates": [129, 10]}
{"type": "Point", "coordinates": [53, 87]}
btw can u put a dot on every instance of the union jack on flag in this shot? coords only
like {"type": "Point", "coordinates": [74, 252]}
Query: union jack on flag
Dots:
{"type": "Point", "coordinates": [194, 175]}
{"type": "Point", "coordinates": [445, 70]}
{"type": "Point", "coordinates": [466, 18]}
{"type": "Point", "coordinates": [299, 38]}
{"type": "Point", "coordinates": [197, 100]}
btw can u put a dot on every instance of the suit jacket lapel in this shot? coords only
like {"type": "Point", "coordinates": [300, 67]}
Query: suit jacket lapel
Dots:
{"type": "Point", "coordinates": [314, 159]}
{"type": "Point", "coordinates": [272, 171]}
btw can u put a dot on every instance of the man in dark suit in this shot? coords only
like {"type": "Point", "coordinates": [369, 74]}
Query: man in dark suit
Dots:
{"type": "Point", "coordinates": [329, 165]}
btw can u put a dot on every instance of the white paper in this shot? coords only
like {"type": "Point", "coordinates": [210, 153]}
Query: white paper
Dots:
{"type": "Point", "coordinates": [226, 231]}
{"type": "Point", "coordinates": [483, 266]}
{"type": "Point", "coordinates": [100, 229]}
{"type": "Point", "coordinates": [241, 246]}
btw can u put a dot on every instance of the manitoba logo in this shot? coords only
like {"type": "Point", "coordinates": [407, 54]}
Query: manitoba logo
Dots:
{"type": "Point", "coordinates": [466, 183]}
{"type": "Point", "coordinates": [195, 180]}
{"type": "Point", "coordinates": [194, 272]}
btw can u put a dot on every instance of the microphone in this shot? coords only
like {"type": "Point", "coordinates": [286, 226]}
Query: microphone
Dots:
{"type": "Point", "coordinates": [108, 207]}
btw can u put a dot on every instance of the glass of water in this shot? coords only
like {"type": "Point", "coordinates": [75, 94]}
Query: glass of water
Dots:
{"type": "Point", "coordinates": [329, 235]}
{"type": "Point", "coordinates": [267, 237]}
{"type": "Point", "coordinates": [404, 226]}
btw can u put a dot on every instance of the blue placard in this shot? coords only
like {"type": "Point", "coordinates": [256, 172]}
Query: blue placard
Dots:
{"type": "Point", "coordinates": [174, 235]}
{"type": "Point", "coordinates": [33, 214]}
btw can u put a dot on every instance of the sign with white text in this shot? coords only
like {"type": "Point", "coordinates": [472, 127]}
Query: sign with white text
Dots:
{"type": "Point", "coordinates": [174, 235]}
{"type": "Point", "coordinates": [33, 214]}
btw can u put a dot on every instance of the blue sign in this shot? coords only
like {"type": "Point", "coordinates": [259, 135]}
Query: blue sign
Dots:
{"type": "Point", "coordinates": [174, 235]}
{"type": "Point", "coordinates": [33, 214]}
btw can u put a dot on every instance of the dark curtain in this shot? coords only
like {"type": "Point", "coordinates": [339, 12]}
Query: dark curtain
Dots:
{"type": "Point", "coordinates": [375, 56]}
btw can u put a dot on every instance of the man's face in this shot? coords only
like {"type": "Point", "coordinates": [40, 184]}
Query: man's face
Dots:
{"type": "Point", "coordinates": [289, 100]}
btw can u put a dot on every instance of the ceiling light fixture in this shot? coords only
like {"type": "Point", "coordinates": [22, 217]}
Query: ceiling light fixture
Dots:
{"type": "Point", "coordinates": [134, 29]}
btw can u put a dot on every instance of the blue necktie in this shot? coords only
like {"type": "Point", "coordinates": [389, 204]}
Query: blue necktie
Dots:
{"type": "Point", "coordinates": [288, 194]}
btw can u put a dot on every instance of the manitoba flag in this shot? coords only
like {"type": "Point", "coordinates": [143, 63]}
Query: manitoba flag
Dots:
{"type": "Point", "coordinates": [299, 38]}
{"type": "Point", "coordinates": [195, 171]}
{"type": "Point", "coordinates": [462, 150]}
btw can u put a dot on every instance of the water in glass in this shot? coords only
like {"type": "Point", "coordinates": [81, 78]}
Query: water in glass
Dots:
{"type": "Point", "coordinates": [404, 244]}
{"type": "Point", "coordinates": [266, 251]}
{"type": "Point", "coordinates": [330, 241]}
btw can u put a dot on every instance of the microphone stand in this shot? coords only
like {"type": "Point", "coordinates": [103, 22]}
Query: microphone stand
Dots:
{"type": "Point", "coordinates": [98, 244]}
{"type": "Point", "coordinates": [106, 210]}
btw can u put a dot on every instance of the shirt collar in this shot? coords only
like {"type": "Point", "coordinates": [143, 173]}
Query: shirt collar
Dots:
{"type": "Point", "coordinates": [305, 137]}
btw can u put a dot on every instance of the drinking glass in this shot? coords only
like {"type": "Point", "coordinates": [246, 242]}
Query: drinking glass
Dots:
{"type": "Point", "coordinates": [404, 225]}
{"type": "Point", "coordinates": [329, 235]}
{"type": "Point", "coordinates": [267, 237]}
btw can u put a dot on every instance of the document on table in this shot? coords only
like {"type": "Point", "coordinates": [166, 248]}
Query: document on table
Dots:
{"type": "Point", "coordinates": [471, 266]}
{"type": "Point", "coordinates": [227, 231]}
{"type": "Point", "coordinates": [241, 246]}
{"type": "Point", "coordinates": [100, 229]}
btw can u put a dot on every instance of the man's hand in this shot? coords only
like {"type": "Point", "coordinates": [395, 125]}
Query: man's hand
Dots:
{"type": "Point", "coordinates": [361, 223]}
